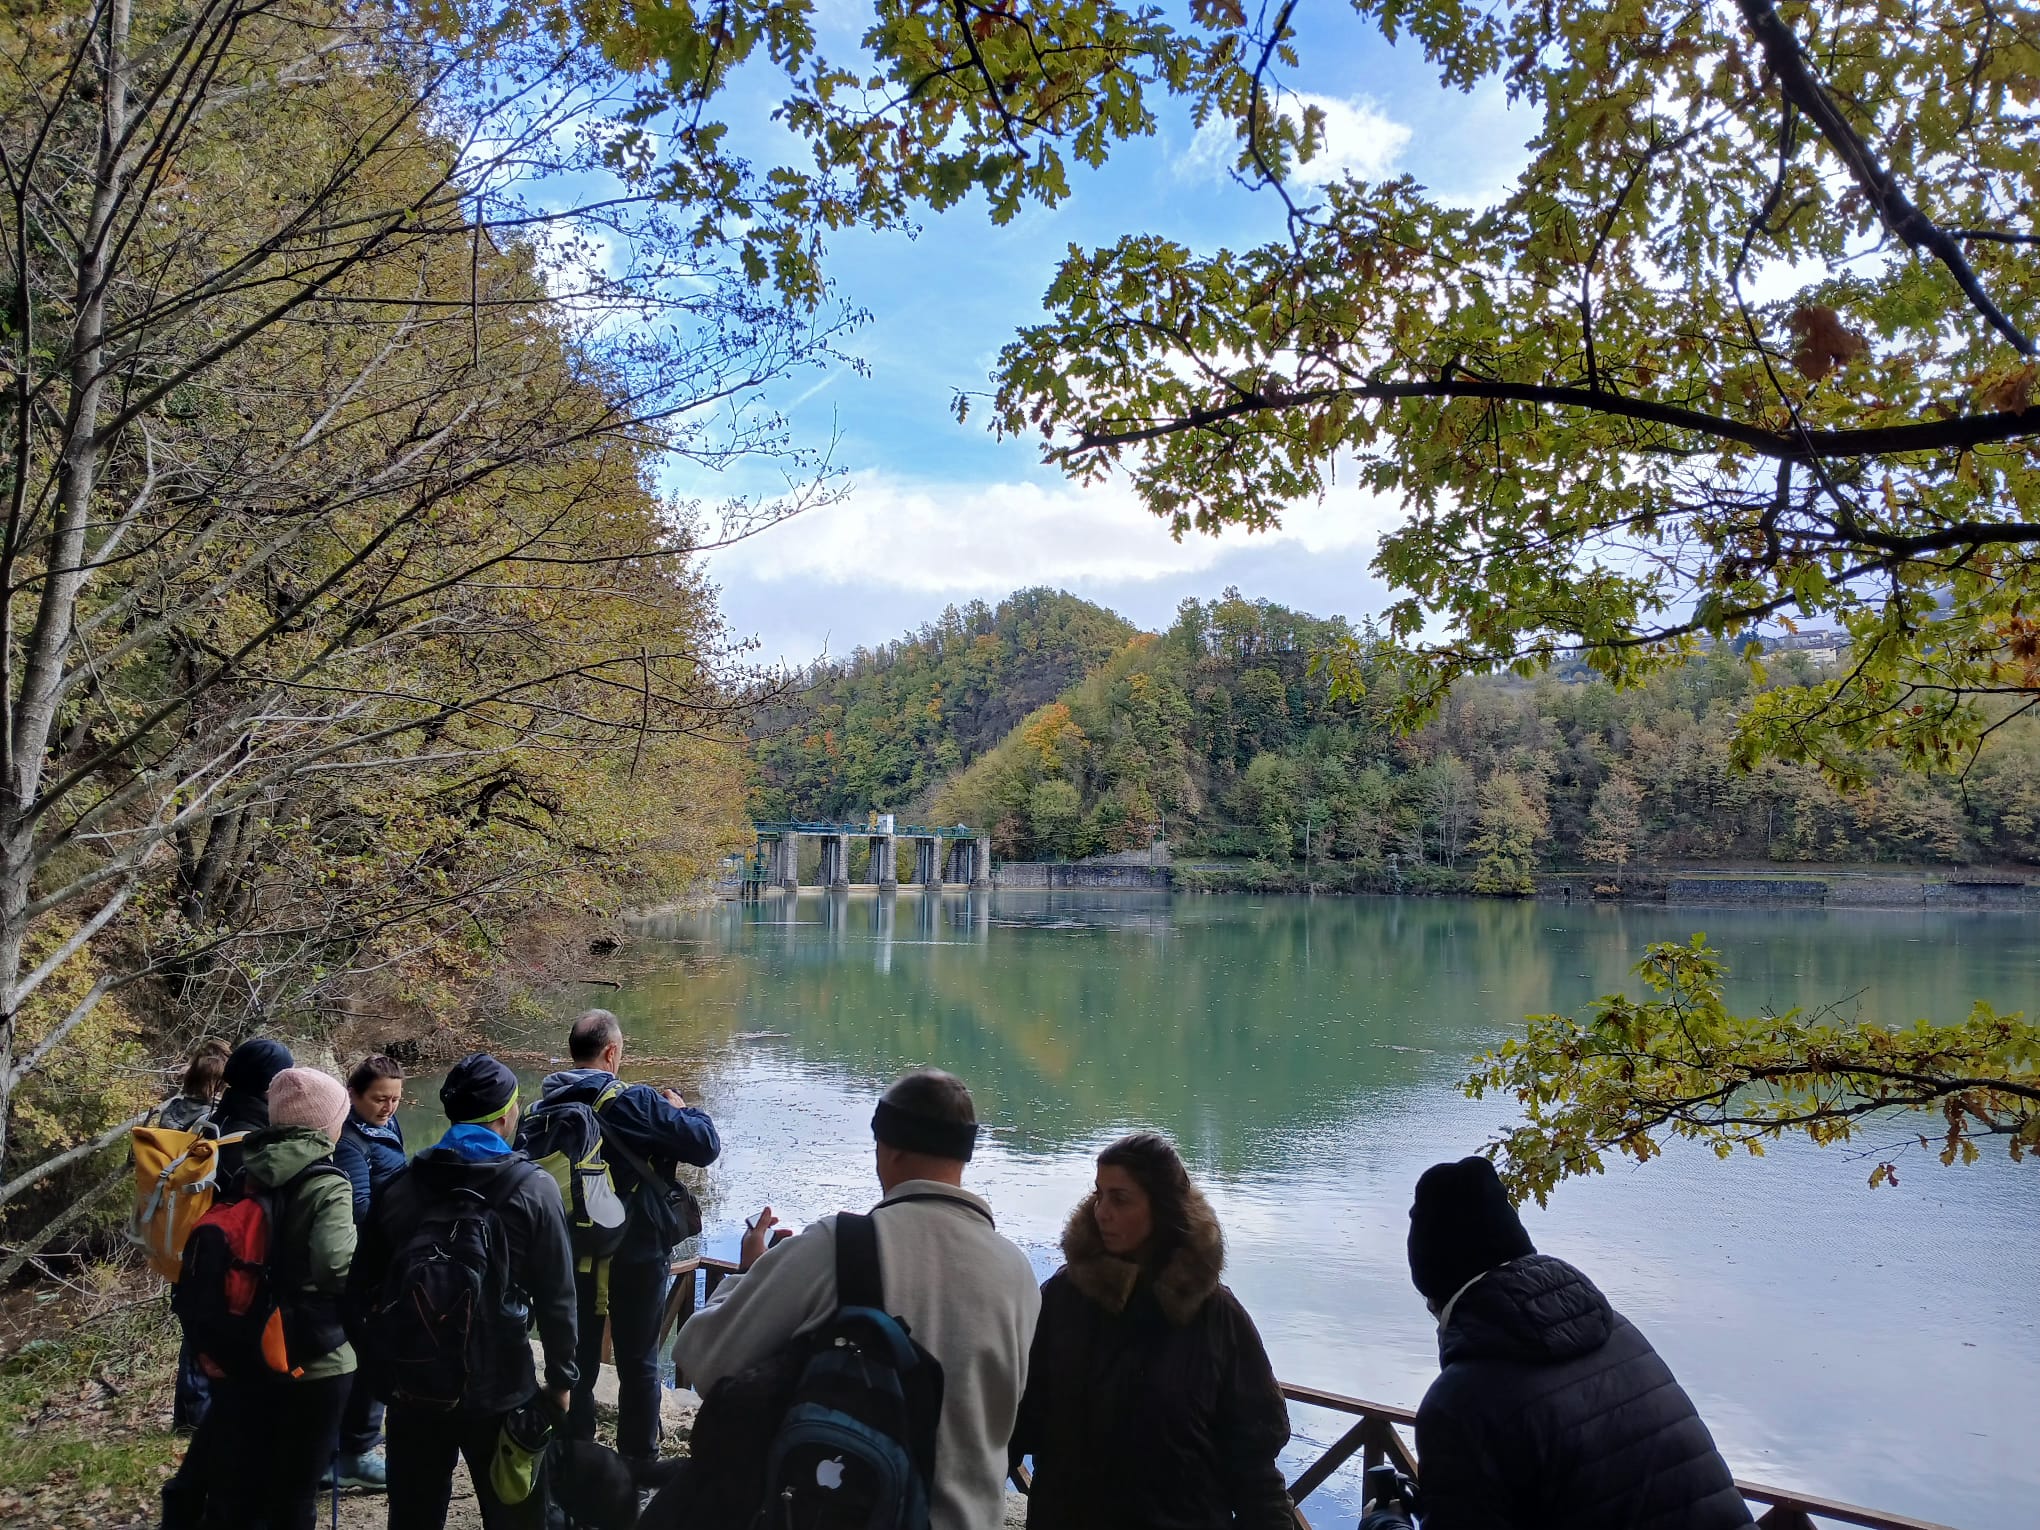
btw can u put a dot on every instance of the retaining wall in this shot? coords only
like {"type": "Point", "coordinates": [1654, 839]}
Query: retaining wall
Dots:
{"type": "Point", "coordinates": [1079, 874]}
{"type": "Point", "coordinates": [1856, 890]}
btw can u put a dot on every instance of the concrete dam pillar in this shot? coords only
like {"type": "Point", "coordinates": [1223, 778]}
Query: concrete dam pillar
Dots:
{"type": "Point", "coordinates": [786, 863]}
{"type": "Point", "coordinates": [885, 861]}
{"type": "Point", "coordinates": [970, 861]}
{"type": "Point", "coordinates": [927, 868]}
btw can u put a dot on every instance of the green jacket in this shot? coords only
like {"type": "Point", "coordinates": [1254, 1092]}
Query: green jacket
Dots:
{"type": "Point", "coordinates": [316, 1240]}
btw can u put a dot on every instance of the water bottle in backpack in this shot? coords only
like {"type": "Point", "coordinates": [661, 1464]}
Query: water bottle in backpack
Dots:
{"type": "Point", "coordinates": [564, 1138]}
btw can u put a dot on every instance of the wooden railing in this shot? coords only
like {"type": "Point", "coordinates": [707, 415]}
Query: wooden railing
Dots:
{"type": "Point", "coordinates": [1376, 1435]}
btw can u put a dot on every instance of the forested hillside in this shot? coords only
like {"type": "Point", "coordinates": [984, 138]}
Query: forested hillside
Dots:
{"type": "Point", "coordinates": [1216, 735]}
{"type": "Point", "coordinates": [884, 727]}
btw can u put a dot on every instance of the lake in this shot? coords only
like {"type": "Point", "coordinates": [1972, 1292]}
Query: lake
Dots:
{"type": "Point", "coordinates": [1877, 1346]}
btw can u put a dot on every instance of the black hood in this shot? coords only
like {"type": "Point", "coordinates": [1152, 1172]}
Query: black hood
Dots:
{"type": "Point", "coordinates": [240, 1111]}
{"type": "Point", "coordinates": [1538, 1310]}
{"type": "Point", "coordinates": [440, 1168]}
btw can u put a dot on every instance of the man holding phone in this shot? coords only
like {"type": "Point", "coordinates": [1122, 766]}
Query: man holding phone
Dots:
{"type": "Point", "coordinates": [967, 1294]}
{"type": "Point", "coordinates": [642, 1127]}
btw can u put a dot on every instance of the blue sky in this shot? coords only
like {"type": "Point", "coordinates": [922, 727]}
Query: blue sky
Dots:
{"type": "Point", "coordinates": [940, 512]}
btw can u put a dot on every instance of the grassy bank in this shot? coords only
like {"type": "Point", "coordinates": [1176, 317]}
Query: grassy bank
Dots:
{"type": "Point", "coordinates": [86, 1370]}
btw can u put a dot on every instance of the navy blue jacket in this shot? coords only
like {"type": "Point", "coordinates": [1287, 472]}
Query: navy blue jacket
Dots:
{"type": "Point", "coordinates": [658, 1132]}
{"type": "Point", "coordinates": [1552, 1410]}
{"type": "Point", "coordinates": [370, 1156]}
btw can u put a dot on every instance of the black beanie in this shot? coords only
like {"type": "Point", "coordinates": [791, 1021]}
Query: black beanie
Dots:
{"type": "Point", "coordinates": [1461, 1225]}
{"type": "Point", "coordinates": [254, 1063]}
{"type": "Point", "coordinates": [479, 1089]}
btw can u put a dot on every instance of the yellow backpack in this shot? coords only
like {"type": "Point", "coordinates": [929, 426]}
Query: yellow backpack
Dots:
{"type": "Point", "coordinates": [176, 1180]}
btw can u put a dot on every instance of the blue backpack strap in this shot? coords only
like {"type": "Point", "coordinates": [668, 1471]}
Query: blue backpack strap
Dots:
{"type": "Point", "coordinates": [858, 1281]}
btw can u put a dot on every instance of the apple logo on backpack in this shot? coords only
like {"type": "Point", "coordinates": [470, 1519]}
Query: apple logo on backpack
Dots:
{"type": "Point", "coordinates": [829, 1474]}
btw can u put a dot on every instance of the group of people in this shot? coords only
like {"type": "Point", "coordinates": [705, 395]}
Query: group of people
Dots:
{"type": "Point", "coordinates": [1132, 1380]}
{"type": "Point", "coordinates": [262, 1447]}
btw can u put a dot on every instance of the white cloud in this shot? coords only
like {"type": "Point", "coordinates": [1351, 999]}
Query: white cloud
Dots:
{"type": "Point", "coordinates": [1360, 139]}
{"type": "Point", "coordinates": [958, 539]}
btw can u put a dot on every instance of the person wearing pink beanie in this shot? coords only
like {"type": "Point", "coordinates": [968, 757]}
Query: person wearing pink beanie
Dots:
{"type": "Point", "coordinates": [287, 1426]}
{"type": "Point", "coordinates": [307, 1097]}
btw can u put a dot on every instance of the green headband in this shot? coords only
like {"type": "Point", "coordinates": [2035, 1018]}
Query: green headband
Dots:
{"type": "Point", "coordinates": [493, 1116]}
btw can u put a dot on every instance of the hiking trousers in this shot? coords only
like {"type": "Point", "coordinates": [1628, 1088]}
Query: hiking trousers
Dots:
{"type": "Point", "coordinates": [194, 1391]}
{"type": "Point", "coordinates": [185, 1494]}
{"type": "Point", "coordinates": [420, 1448]}
{"type": "Point", "coordinates": [637, 1301]}
{"type": "Point", "coordinates": [361, 1426]}
{"type": "Point", "coordinates": [278, 1441]}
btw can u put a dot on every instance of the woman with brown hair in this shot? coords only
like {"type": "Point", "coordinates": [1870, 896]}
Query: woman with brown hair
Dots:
{"type": "Point", "coordinates": [1150, 1402]}
{"type": "Point", "coordinates": [371, 1154]}
{"type": "Point", "coordinates": [205, 1075]}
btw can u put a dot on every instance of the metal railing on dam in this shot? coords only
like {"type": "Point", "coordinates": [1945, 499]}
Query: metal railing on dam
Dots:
{"type": "Point", "coordinates": [1376, 1434]}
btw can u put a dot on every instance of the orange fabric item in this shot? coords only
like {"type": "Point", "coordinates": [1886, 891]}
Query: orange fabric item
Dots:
{"type": "Point", "coordinates": [274, 1352]}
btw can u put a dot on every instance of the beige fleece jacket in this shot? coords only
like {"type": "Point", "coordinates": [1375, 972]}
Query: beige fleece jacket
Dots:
{"type": "Point", "coordinates": [968, 1294]}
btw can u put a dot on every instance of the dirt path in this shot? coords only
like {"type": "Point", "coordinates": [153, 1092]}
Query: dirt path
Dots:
{"type": "Point", "coordinates": [84, 1409]}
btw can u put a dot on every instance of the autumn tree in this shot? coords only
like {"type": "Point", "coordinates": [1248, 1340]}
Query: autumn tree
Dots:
{"type": "Point", "coordinates": [1615, 825]}
{"type": "Point", "coordinates": [342, 616]}
{"type": "Point", "coordinates": [1750, 340]}
{"type": "Point", "coordinates": [1510, 820]}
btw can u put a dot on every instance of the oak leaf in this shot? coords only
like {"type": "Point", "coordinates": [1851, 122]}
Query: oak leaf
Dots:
{"type": "Point", "coordinates": [2013, 392]}
{"type": "Point", "coordinates": [1825, 342]}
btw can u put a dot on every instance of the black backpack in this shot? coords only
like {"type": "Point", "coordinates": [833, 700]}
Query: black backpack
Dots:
{"type": "Point", "coordinates": [836, 1430]}
{"type": "Point", "coordinates": [440, 1318]}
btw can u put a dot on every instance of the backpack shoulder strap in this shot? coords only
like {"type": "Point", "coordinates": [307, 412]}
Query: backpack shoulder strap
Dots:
{"type": "Point", "coordinates": [314, 1170]}
{"type": "Point", "coordinates": [858, 1281]}
{"type": "Point", "coordinates": [617, 1147]}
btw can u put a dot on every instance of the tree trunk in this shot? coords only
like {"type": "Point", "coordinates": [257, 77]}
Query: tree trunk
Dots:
{"type": "Point", "coordinates": [48, 641]}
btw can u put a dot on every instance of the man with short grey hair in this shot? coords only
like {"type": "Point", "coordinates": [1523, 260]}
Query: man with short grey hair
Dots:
{"type": "Point", "coordinates": [641, 1126]}
{"type": "Point", "coordinates": [966, 1292]}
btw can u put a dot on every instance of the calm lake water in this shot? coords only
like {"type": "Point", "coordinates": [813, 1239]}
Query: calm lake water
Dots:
{"type": "Point", "coordinates": [1877, 1346]}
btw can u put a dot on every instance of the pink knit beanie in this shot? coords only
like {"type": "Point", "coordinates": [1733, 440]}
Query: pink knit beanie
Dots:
{"type": "Point", "coordinates": [307, 1097]}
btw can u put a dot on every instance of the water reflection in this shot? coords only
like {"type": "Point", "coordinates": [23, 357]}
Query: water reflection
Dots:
{"type": "Point", "coordinates": [1306, 1056]}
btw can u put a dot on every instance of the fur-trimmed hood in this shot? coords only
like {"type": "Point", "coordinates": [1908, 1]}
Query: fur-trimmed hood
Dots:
{"type": "Point", "coordinates": [1182, 1285]}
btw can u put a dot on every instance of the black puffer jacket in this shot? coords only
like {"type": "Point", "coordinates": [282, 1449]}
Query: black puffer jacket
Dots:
{"type": "Point", "coordinates": [238, 1114]}
{"type": "Point", "coordinates": [1553, 1411]}
{"type": "Point", "coordinates": [1150, 1402]}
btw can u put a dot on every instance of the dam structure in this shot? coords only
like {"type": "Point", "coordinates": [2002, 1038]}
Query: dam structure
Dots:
{"type": "Point", "coordinates": [952, 856]}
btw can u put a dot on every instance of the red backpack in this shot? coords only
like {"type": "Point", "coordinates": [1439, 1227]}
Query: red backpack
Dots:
{"type": "Point", "coordinates": [234, 1295]}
